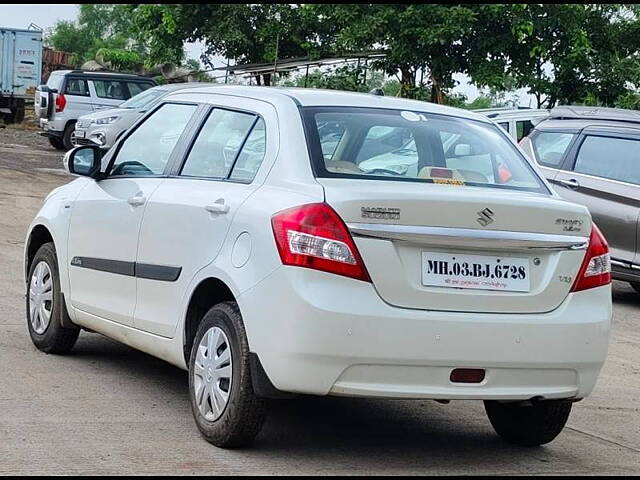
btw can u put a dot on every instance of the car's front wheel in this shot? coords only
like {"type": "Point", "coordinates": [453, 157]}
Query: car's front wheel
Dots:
{"type": "Point", "coordinates": [528, 424]}
{"type": "Point", "coordinates": [56, 143]}
{"type": "Point", "coordinates": [45, 304]}
{"type": "Point", "coordinates": [226, 409]}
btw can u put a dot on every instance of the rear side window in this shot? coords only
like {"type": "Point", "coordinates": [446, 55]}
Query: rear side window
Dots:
{"type": "Point", "coordinates": [550, 147]}
{"type": "Point", "coordinates": [55, 81]}
{"type": "Point", "coordinates": [382, 144]}
{"type": "Point", "coordinates": [137, 87]}
{"type": "Point", "coordinates": [76, 86]}
{"type": "Point", "coordinates": [218, 144]}
{"type": "Point", "coordinates": [111, 89]}
{"type": "Point", "coordinates": [612, 158]}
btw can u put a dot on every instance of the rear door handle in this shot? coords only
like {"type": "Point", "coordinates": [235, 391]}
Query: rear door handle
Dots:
{"type": "Point", "coordinates": [217, 207]}
{"type": "Point", "coordinates": [571, 183]}
{"type": "Point", "coordinates": [137, 200]}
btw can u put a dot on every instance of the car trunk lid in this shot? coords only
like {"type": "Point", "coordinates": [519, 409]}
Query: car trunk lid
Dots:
{"type": "Point", "coordinates": [405, 230]}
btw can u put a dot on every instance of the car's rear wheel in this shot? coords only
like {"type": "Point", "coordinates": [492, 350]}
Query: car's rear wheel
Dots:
{"type": "Point", "coordinates": [226, 410]}
{"type": "Point", "coordinates": [636, 286]}
{"type": "Point", "coordinates": [528, 424]}
{"type": "Point", "coordinates": [56, 143]}
{"type": "Point", "coordinates": [45, 305]}
{"type": "Point", "coordinates": [69, 136]}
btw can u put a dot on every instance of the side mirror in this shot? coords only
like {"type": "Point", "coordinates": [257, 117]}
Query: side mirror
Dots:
{"type": "Point", "coordinates": [85, 160]}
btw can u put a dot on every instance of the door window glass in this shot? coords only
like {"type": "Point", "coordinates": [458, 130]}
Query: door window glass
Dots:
{"type": "Point", "coordinates": [147, 150]}
{"type": "Point", "coordinates": [612, 158]}
{"type": "Point", "coordinates": [111, 89]}
{"type": "Point", "coordinates": [137, 87]}
{"type": "Point", "coordinates": [77, 86]}
{"type": "Point", "coordinates": [523, 128]}
{"type": "Point", "coordinates": [218, 143]}
{"type": "Point", "coordinates": [504, 126]}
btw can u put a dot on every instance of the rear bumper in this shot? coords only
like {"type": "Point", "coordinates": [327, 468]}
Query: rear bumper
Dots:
{"type": "Point", "coordinates": [52, 128]}
{"type": "Point", "coordinates": [322, 334]}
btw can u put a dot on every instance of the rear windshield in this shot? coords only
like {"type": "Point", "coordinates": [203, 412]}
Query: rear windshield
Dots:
{"type": "Point", "coordinates": [396, 145]}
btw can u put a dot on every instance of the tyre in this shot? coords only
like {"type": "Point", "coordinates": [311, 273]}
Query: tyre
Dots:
{"type": "Point", "coordinates": [226, 410]}
{"type": "Point", "coordinates": [636, 286]}
{"type": "Point", "coordinates": [56, 143]}
{"type": "Point", "coordinates": [528, 425]}
{"type": "Point", "coordinates": [69, 137]}
{"type": "Point", "coordinates": [45, 305]}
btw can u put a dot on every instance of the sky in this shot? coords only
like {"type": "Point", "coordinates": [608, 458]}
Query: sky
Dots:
{"type": "Point", "coordinates": [45, 16]}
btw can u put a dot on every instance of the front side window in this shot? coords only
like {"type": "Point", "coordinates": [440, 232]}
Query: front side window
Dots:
{"type": "Point", "coordinates": [612, 158]}
{"type": "Point", "coordinates": [147, 150]}
{"type": "Point", "coordinates": [111, 89]}
{"type": "Point", "coordinates": [550, 147]}
{"type": "Point", "coordinates": [217, 145]}
{"type": "Point", "coordinates": [382, 144]}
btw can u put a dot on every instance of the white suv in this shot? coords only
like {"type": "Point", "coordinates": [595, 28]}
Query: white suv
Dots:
{"type": "Point", "coordinates": [246, 234]}
{"type": "Point", "coordinates": [70, 94]}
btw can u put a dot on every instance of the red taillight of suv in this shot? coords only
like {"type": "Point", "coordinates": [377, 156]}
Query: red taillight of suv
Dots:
{"type": "Point", "coordinates": [596, 266]}
{"type": "Point", "coordinates": [61, 102]}
{"type": "Point", "coordinates": [314, 236]}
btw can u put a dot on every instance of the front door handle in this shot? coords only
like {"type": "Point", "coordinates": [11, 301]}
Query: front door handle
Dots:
{"type": "Point", "coordinates": [570, 183]}
{"type": "Point", "coordinates": [217, 207]}
{"type": "Point", "coordinates": [137, 200]}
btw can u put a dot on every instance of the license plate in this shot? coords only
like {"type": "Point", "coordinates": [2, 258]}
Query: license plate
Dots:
{"type": "Point", "coordinates": [475, 272]}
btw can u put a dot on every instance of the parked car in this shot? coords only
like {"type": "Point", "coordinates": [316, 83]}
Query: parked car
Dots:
{"type": "Point", "coordinates": [517, 122]}
{"type": "Point", "coordinates": [235, 232]}
{"type": "Point", "coordinates": [104, 127]}
{"type": "Point", "coordinates": [69, 94]}
{"type": "Point", "coordinates": [590, 155]}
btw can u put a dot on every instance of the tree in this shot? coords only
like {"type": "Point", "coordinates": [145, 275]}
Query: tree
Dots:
{"type": "Point", "coordinates": [563, 53]}
{"type": "Point", "coordinates": [247, 33]}
{"type": "Point", "coordinates": [413, 38]}
{"type": "Point", "coordinates": [102, 30]}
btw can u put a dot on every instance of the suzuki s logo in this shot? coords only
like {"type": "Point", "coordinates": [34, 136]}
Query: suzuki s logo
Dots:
{"type": "Point", "coordinates": [486, 217]}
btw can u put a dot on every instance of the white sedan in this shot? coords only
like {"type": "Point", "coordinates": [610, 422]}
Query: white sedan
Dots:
{"type": "Point", "coordinates": [276, 242]}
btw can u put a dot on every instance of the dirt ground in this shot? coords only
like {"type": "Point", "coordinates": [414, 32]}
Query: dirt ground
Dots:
{"type": "Point", "coordinates": [108, 409]}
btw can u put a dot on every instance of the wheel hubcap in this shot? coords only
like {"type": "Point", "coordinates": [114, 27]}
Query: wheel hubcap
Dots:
{"type": "Point", "coordinates": [212, 374]}
{"type": "Point", "coordinates": [40, 298]}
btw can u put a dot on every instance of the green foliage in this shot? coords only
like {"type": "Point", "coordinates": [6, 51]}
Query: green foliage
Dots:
{"type": "Point", "coordinates": [350, 78]}
{"type": "Point", "coordinates": [562, 53]}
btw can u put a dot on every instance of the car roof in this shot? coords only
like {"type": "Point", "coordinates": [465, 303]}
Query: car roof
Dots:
{"type": "Point", "coordinates": [575, 125]}
{"type": "Point", "coordinates": [92, 73]}
{"type": "Point", "coordinates": [595, 113]}
{"type": "Point", "coordinates": [315, 97]}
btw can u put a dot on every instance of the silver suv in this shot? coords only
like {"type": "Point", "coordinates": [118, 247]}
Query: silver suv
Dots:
{"type": "Point", "coordinates": [69, 94]}
{"type": "Point", "coordinates": [104, 127]}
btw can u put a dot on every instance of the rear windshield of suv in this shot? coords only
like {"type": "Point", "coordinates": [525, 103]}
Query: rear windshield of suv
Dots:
{"type": "Point", "coordinates": [397, 145]}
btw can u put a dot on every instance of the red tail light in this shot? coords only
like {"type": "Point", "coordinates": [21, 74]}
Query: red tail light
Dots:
{"type": "Point", "coordinates": [61, 102]}
{"type": "Point", "coordinates": [314, 236]}
{"type": "Point", "coordinates": [596, 266]}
